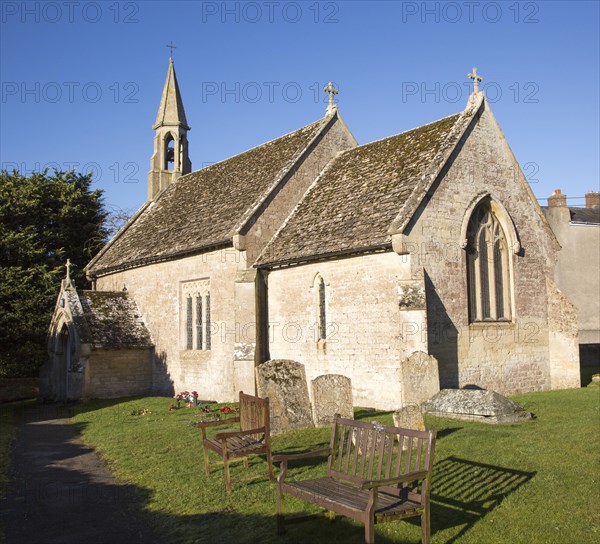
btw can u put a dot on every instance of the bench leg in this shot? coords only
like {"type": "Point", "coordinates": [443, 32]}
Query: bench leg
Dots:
{"type": "Point", "coordinates": [270, 463]}
{"type": "Point", "coordinates": [425, 528]}
{"type": "Point", "coordinates": [205, 459]}
{"type": "Point", "coordinates": [227, 476]}
{"type": "Point", "coordinates": [369, 531]}
{"type": "Point", "coordinates": [279, 515]}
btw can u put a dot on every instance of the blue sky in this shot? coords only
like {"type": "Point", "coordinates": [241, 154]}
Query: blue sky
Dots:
{"type": "Point", "coordinates": [81, 81]}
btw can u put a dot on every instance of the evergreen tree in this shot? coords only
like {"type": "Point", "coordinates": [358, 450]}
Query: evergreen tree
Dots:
{"type": "Point", "coordinates": [44, 219]}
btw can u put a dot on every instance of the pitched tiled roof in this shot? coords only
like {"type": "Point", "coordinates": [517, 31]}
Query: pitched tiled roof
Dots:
{"type": "Point", "coordinates": [585, 215]}
{"type": "Point", "coordinates": [204, 208]}
{"type": "Point", "coordinates": [108, 319]}
{"type": "Point", "coordinates": [353, 204]}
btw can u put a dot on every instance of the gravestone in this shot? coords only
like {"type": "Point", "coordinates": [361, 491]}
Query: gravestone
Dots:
{"type": "Point", "coordinates": [475, 405]}
{"type": "Point", "coordinates": [284, 382]}
{"type": "Point", "coordinates": [409, 417]}
{"type": "Point", "coordinates": [420, 378]}
{"type": "Point", "coordinates": [331, 394]}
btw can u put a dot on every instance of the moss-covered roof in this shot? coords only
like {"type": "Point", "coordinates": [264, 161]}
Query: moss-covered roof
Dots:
{"type": "Point", "coordinates": [205, 208]}
{"type": "Point", "coordinates": [108, 319]}
{"type": "Point", "coordinates": [356, 200]}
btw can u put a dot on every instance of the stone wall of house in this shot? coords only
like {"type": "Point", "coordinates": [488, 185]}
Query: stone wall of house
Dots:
{"type": "Point", "coordinates": [577, 270]}
{"type": "Point", "coordinates": [506, 357]}
{"type": "Point", "coordinates": [372, 325]}
{"type": "Point", "coordinates": [157, 290]}
{"type": "Point", "coordinates": [118, 373]}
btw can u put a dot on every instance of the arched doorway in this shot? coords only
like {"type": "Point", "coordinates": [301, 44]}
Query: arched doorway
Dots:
{"type": "Point", "coordinates": [64, 363]}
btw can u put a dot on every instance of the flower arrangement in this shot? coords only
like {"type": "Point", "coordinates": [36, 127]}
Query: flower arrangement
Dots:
{"type": "Point", "coordinates": [190, 398]}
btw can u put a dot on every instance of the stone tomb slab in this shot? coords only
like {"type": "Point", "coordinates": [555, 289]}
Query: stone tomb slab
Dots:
{"type": "Point", "coordinates": [475, 405]}
{"type": "Point", "coordinates": [284, 382]}
{"type": "Point", "coordinates": [331, 394]}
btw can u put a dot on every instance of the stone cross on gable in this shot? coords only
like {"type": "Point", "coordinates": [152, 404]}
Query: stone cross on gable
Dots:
{"type": "Point", "coordinates": [476, 79]}
{"type": "Point", "coordinates": [171, 46]}
{"type": "Point", "coordinates": [68, 267]}
{"type": "Point", "coordinates": [329, 88]}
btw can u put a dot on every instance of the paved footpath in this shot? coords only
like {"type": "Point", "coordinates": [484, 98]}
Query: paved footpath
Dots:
{"type": "Point", "coordinates": [61, 491]}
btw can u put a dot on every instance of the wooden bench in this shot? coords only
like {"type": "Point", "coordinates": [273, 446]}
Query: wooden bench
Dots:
{"type": "Point", "coordinates": [375, 474]}
{"type": "Point", "coordinates": [254, 436]}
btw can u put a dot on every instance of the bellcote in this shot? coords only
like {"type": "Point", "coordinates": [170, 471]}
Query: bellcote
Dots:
{"type": "Point", "coordinates": [170, 159]}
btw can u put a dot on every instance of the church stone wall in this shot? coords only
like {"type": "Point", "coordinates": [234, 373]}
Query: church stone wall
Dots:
{"type": "Point", "coordinates": [118, 373]}
{"type": "Point", "coordinates": [506, 357]}
{"type": "Point", "coordinates": [157, 291]}
{"type": "Point", "coordinates": [371, 327]}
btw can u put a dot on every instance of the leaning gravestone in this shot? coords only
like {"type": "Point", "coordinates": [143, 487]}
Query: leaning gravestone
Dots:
{"type": "Point", "coordinates": [331, 394]}
{"type": "Point", "coordinates": [409, 417]}
{"type": "Point", "coordinates": [420, 378]}
{"type": "Point", "coordinates": [475, 405]}
{"type": "Point", "coordinates": [284, 382]}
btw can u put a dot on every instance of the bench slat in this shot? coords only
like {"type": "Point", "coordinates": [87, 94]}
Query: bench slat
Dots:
{"type": "Point", "coordinates": [329, 494]}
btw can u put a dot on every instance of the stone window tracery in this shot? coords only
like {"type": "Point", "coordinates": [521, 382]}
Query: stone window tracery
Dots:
{"type": "Point", "coordinates": [488, 268]}
{"type": "Point", "coordinates": [197, 318]}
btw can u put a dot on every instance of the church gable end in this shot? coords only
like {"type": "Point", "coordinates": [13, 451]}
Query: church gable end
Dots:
{"type": "Point", "coordinates": [353, 203]}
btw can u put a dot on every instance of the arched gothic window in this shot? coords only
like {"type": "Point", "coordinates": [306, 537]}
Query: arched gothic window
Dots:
{"type": "Point", "coordinates": [488, 270]}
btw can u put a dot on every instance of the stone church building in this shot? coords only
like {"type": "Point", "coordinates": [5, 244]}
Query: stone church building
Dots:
{"type": "Point", "coordinates": [346, 258]}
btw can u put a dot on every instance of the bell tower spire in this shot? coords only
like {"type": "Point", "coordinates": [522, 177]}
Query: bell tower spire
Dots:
{"type": "Point", "coordinates": [170, 159]}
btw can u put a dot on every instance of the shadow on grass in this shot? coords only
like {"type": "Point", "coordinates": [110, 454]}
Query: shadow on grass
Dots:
{"type": "Point", "coordinates": [465, 491]}
{"type": "Point", "coordinates": [58, 494]}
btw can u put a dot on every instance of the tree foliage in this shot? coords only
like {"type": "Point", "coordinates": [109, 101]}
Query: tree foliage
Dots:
{"type": "Point", "coordinates": [44, 219]}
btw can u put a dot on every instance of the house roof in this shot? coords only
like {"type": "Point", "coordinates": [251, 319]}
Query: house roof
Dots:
{"type": "Point", "coordinates": [367, 192]}
{"type": "Point", "coordinates": [207, 207]}
{"type": "Point", "coordinates": [108, 319]}
{"type": "Point", "coordinates": [585, 215]}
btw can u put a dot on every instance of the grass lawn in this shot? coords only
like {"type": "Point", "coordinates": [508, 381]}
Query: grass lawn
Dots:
{"type": "Point", "coordinates": [533, 482]}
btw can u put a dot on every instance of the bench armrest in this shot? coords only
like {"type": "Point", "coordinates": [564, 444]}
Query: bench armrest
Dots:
{"type": "Point", "coordinates": [284, 457]}
{"type": "Point", "coordinates": [408, 477]}
{"type": "Point", "coordinates": [201, 424]}
{"type": "Point", "coordinates": [226, 435]}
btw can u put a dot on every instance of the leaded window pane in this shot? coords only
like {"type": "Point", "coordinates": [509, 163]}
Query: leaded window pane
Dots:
{"type": "Point", "coordinates": [322, 311]}
{"type": "Point", "coordinates": [485, 280]}
{"type": "Point", "coordinates": [207, 319]}
{"type": "Point", "coordinates": [189, 331]}
{"type": "Point", "coordinates": [198, 322]}
{"type": "Point", "coordinates": [499, 275]}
